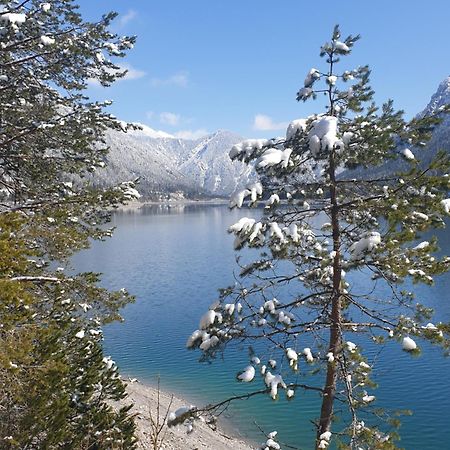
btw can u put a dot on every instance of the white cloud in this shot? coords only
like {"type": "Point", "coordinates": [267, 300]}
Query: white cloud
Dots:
{"type": "Point", "coordinates": [151, 132]}
{"type": "Point", "coordinates": [191, 134]}
{"type": "Point", "coordinates": [169, 118]}
{"type": "Point", "coordinates": [93, 82]}
{"type": "Point", "coordinates": [133, 73]}
{"type": "Point", "coordinates": [180, 79]}
{"type": "Point", "coordinates": [127, 18]}
{"type": "Point", "coordinates": [266, 123]}
{"type": "Point", "coordinates": [172, 119]}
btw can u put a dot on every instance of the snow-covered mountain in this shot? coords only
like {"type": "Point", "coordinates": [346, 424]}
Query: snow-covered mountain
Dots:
{"type": "Point", "coordinates": [440, 139]}
{"type": "Point", "coordinates": [166, 164]}
{"type": "Point", "coordinates": [441, 134]}
{"type": "Point", "coordinates": [440, 98]}
{"type": "Point", "coordinates": [201, 167]}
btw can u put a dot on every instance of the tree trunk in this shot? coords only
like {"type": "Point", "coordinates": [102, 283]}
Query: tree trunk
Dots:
{"type": "Point", "coordinates": [335, 344]}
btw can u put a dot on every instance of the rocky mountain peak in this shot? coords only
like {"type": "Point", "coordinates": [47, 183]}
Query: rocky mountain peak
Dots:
{"type": "Point", "coordinates": [440, 98]}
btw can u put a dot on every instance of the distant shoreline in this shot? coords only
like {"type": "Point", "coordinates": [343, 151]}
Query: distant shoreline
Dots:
{"type": "Point", "coordinates": [145, 400]}
{"type": "Point", "coordinates": [133, 205]}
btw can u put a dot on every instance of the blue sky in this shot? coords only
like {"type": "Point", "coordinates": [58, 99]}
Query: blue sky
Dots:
{"type": "Point", "coordinates": [203, 65]}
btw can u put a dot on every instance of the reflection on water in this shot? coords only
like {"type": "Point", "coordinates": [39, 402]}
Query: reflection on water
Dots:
{"type": "Point", "coordinates": [174, 258]}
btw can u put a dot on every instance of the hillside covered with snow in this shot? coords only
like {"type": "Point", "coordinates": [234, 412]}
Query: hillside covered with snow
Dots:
{"type": "Point", "coordinates": [165, 164]}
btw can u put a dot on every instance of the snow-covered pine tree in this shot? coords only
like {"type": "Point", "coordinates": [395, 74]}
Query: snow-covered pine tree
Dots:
{"type": "Point", "coordinates": [320, 227]}
{"type": "Point", "coordinates": [56, 386]}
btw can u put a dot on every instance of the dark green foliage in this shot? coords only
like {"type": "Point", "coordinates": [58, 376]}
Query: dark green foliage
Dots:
{"type": "Point", "coordinates": [57, 389]}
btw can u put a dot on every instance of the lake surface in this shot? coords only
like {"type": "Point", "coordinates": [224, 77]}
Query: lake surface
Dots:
{"type": "Point", "coordinates": [174, 260]}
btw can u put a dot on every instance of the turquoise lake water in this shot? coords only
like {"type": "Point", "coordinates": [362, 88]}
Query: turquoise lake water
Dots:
{"type": "Point", "coordinates": [174, 260]}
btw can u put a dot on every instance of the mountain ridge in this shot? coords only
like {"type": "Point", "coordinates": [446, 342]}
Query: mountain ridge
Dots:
{"type": "Point", "coordinates": [193, 168]}
{"type": "Point", "coordinates": [166, 164]}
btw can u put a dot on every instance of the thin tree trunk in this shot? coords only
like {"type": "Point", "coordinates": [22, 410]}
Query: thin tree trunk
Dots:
{"type": "Point", "coordinates": [335, 344]}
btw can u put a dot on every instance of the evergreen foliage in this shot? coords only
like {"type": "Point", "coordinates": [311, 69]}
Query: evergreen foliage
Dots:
{"type": "Point", "coordinates": [317, 231]}
{"type": "Point", "coordinates": [57, 389]}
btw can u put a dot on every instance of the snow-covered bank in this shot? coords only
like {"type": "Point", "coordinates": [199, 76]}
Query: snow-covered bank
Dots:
{"type": "Point", "coordinates": [145, 400]}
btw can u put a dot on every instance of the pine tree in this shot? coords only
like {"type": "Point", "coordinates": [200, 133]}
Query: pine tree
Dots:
{"type": "Point", "coordinates": [57, 388]}
{"type": "Point", "coordinates": [320, 226]}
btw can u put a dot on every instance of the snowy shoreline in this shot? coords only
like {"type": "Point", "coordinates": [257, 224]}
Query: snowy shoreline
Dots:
{"type": "Point", "coordinates": [145, 400]}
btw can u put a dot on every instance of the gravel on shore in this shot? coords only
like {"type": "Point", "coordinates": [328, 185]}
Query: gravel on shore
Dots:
{"type": "Point", "coordinates": [145, 400]}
